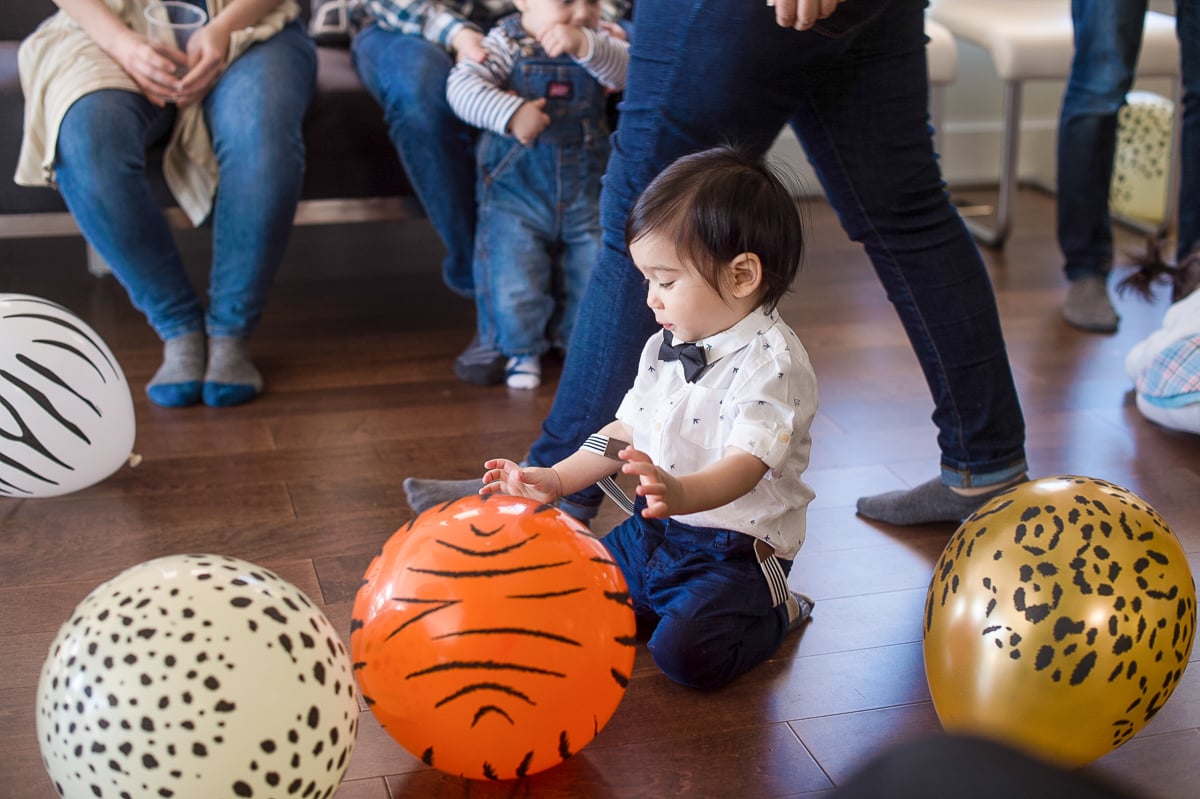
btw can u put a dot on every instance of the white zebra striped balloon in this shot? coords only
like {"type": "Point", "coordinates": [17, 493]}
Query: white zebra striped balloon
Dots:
{"type": "Point", "coordinates": [66, 416]}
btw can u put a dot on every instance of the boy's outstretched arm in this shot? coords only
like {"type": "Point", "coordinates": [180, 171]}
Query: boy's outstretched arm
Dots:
{"type": "Point", "coordinates": [731, 477]}
{"type": "Point", "coordinates": [546, 484]}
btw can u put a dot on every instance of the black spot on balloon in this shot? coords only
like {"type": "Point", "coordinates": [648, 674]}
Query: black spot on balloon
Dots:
{"type": "Point", "coordinates": [1083, 668]}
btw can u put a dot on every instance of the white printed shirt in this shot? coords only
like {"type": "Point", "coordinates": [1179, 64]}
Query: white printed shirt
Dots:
{"type": "Point", "coordinates": [759, 394]}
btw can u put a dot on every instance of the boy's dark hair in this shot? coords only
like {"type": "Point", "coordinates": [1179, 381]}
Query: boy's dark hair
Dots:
{"type": "Point", "coordinates": [717, 204]}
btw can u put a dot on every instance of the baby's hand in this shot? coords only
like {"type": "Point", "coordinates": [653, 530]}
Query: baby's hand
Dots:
{"type": "Point", "coordinates": [660, 488]}
{"type": "Point", "coordinates": [468, 46]}
{"type": "Point", "coordinates": [614, 30]}
{"type": "Point", "coordinates": [563, 38]}
{"type": "Point", "coordinates": [506, 477]}
{"type": "Point", "coordinates": [529, 121]}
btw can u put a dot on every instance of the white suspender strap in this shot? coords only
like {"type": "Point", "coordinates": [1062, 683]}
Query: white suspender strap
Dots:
{"type": "Point", "coordinates": [613, 491]}
{"type": "Point", "coordinates": [772, 570]}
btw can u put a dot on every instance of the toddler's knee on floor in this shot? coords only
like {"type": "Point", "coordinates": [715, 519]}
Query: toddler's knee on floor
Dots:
{"type": "Point", "coordinates": [686, 662]}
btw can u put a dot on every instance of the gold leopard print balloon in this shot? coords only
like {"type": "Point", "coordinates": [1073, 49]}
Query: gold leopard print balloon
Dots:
{"type": "Point", "coordinates": [1060, 618]}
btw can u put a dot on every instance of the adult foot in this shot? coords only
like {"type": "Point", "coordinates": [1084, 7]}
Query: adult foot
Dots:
{"type": "Point", "coordinates": [479, 364]}
{"type": "Point", "coordinates": [231, 377]}
{"type": "Point", "coordinates": [930, 502]}
{"type": "Point", "coordinates": [177, 382]}
{"type": "Point", "coordinates": [425, 494]}
{"type": "Point", "coordinates": [1088, 306]}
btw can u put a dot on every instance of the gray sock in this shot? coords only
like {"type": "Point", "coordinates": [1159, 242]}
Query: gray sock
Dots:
{"type": "Point", "coordinates": [931, 501]}
{"type": "Point", "coordinates": [177, 382]}
{"type": "Point", "coordinates": [231, 377]}
{"type": "Point", "coordinates": [425, 494]}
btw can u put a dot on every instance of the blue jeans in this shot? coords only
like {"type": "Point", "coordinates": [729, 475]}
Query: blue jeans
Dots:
{"type": "Point", "coordinates": [1108, 38]}
{"type": "Point", "coordinates": [407, 76]}
{"type": "Point", "coordinates": [709, 71]}
{"type": "Point", "coordinates": [538, 235]}
{"type": "Point", "coordinates": [254, 113]}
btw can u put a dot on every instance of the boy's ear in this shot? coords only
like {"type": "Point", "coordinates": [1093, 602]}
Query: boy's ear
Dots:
{"type": "Point", "coordinates": [745, 275]}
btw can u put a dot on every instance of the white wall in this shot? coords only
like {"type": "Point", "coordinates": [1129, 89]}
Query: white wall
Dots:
{"type": "Point", "coordinates": [971, 130]}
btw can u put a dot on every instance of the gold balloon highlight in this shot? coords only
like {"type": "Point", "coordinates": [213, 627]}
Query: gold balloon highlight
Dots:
{"type": "Point", "coordinates": [1059, 619]}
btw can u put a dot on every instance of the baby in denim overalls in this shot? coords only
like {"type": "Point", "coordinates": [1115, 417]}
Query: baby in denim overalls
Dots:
{"type": "Point", "coordinates": [540, 100]}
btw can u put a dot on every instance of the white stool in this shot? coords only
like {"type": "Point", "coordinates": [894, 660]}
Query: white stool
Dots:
{"type": "Point", "coordinates": [1034, 40]}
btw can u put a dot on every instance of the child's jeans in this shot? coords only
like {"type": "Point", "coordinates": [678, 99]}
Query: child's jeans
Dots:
{"type": "Point", "coordinates": [538, 235]}
{"type": "Point", "coordinates": [705, 588]}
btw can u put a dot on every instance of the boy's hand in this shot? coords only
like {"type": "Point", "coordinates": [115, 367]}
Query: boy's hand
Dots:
{"type": "Point", "coordinates": [468, 46]}
{"type": "Point", "coordinates": [505, 477]}
{"type": "Point", "coordinates": [563, 38]}
{"type": "Point", "coordinates": [661, 489]}
{"type": "Point", "coordinates": [614, 30]}
{"type": "Point", "coordinates": [529, 121]}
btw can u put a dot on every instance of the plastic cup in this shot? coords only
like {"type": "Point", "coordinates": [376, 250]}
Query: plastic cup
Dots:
{"type": "Point", "coordinates": [172, 22]}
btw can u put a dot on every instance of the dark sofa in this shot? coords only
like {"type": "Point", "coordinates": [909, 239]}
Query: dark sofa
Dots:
{"type": "Point", "coordinates": [353, 173]}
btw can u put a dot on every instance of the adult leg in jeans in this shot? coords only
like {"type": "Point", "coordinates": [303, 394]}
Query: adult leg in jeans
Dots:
{"type": "Point", "coordinates": [1108, 37]}
{"type": "Point", "coordinates": [101, 172]}
{"type": "Point", "coordinates": [1187, 25]}
{"type": "Point", "coordinates": [860, 106]}
{"type": "Point", "coordinates": [407, 77]}
{"type": "Point", "coordinates": [889, 196]}
{"type": "Point", "coordinates": [722, 70]}
{"type": "Point", "coordinates": [254, 114]}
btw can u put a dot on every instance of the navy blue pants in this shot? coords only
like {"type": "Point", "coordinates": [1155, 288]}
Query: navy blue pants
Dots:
{"type": "Point", "coordinates": [705, 591]}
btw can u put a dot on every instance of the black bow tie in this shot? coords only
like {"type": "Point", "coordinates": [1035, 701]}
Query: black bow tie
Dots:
{"type": "Point", "coordinates": [690, 355]}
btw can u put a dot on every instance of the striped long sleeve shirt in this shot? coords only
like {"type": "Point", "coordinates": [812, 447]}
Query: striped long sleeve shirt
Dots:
{"type": "Point", "coordinates": [478, 93]}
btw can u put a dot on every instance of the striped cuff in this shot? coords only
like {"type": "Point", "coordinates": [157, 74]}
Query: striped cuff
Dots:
{"type": "Point", "coordinates": [603, 445]}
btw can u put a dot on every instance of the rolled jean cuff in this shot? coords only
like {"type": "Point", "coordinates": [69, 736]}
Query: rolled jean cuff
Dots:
{"type": "Point", "coordinates": [965, 478]}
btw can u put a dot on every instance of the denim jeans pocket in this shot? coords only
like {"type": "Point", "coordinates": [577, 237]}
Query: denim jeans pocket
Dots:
{"type": "Point", "coordinates": [496, 154]}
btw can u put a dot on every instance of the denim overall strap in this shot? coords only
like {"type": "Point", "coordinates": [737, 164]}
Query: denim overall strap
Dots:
{"type": "Point", "coordinates": [575, 101]}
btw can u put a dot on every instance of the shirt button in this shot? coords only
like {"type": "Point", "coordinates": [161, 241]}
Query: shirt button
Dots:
{"type": "Point", "coordinates": [785, 437]}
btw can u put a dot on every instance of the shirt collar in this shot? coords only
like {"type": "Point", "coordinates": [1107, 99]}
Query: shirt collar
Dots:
{"type": "Point", "coordinates": [732, 339]}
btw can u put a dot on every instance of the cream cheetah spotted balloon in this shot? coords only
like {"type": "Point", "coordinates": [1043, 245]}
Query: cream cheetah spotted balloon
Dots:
{"type": "Point", "coordinates": [1060, 619]}
{"type": "Point", "coordinates": [196, 677]}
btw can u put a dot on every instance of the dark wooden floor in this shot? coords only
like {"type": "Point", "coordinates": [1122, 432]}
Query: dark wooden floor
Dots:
{"type": "Point", "coordinates": [356, 348]}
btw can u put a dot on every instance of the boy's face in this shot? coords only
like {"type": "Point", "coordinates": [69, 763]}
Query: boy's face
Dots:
{"type": "Point", "coordinates": [538, 16]}
{"type": "Point", "coordinates": [682, 300]}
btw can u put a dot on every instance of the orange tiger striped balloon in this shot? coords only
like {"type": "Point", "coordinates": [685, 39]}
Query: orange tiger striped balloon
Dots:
{"type": "Point", "coordinates": [493, 637]}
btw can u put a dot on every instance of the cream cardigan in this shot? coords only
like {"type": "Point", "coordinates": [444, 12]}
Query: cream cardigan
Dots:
{"type": "Point", "coordinates": [59, 63]}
